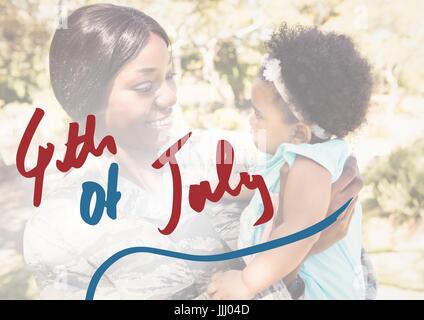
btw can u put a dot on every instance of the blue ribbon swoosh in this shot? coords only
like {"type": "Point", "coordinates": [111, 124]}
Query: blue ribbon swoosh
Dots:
{"type": "Point", "coordinates": [300, 235]}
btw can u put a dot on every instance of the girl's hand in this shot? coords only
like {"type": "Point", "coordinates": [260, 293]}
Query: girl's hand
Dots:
{"type": "Point", "coordinates": [229, 286]}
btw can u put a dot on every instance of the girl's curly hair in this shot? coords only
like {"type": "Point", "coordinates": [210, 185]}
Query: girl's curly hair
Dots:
{"type": "Point", "coordinates": [328, 81]}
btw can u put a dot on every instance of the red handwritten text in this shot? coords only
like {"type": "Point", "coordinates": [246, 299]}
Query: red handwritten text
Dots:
{"type": "Point", "coordinates": [71, 159]}
{"type": "Point", "coordinates": [198, 194]}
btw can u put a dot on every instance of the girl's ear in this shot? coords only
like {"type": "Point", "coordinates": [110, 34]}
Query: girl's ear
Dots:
{"type": "Point", "coordinates": [301, 133]}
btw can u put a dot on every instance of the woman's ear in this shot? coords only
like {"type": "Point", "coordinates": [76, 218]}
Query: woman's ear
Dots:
{"type": "Point", "coordinates": [301, 133]}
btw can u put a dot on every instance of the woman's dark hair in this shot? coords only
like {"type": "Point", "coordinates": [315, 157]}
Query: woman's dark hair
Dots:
{"type": "Point", "coordinates": [328, 81]}
{"type": "Point", "coordinates": [86, 56]}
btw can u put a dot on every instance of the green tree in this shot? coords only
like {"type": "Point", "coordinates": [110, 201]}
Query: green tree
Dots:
{"type": "Point", "coordinates": [396, 184]}
{"type": "Point", "coordinates": [23, 47]}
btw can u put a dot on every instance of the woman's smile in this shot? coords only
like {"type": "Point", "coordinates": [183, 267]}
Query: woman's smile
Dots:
{"type": "Point", "coordinates": [161, 123]}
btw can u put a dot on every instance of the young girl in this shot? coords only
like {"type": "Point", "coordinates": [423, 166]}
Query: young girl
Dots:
{"type": "Point", "coordinates": [314, 89]}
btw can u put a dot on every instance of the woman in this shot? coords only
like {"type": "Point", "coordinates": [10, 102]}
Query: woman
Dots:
{"type": "Point", "coordinates": [115, 62]}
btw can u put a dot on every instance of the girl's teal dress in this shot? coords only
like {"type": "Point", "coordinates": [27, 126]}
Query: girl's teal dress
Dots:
{"type": "Point", "coordinates": [335, 273]}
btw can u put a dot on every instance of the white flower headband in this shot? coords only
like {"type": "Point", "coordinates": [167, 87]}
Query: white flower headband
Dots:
{"type": "Point", "coordinates": [272, 73]}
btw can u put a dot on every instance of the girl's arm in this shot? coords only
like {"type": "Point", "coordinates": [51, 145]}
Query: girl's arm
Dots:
{"type": "Point", "coordinates": [304, 202]}
{"type": "Point", "coordinates": [346, 187]}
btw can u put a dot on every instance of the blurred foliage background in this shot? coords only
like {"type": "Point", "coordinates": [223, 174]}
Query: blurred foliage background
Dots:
{"type": "Point", "coordinates": [217, 48]}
